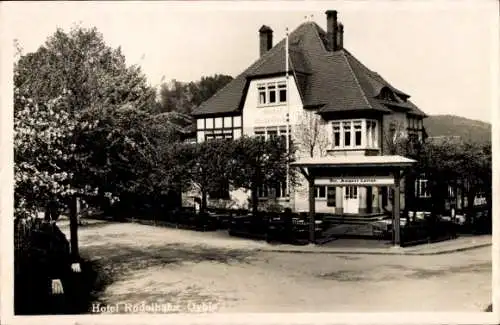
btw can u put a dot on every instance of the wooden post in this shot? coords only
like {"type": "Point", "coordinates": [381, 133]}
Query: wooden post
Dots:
{"type": "Point", "coordinates": [396, 209]}
{"type": "Point", "coordinates": [73, 228]}
{"type": "Point", "coordinates": [312, 209]}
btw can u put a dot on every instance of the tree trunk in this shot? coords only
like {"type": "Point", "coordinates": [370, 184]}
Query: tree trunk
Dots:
{"type": "Point", "coordinates": [73, 228]}
{"type": "Point", "coordinates": [255, 200]}
{"type": "Point", "coordinates": [203, 205]}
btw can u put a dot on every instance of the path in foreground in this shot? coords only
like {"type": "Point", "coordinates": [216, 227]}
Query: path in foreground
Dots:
{"type": "Point", "coordinates": [144, 264]}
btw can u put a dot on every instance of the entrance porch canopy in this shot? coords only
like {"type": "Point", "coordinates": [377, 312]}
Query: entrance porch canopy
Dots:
{"type": "Point", "coordinates": [353, 161]}
{"type": "Point", "coordinates": [355, 171]}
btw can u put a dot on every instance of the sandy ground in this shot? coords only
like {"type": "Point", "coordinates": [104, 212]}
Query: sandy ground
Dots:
{"type": "Point", "coordinates": [180, 270]}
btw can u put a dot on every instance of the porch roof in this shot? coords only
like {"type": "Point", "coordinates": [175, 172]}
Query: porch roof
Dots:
{"type": "Point", "coordinates": [354, 161]}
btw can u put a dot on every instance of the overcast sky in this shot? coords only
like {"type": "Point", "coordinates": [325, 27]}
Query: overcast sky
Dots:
{"type": "Point", "coordinates": [441, 53]}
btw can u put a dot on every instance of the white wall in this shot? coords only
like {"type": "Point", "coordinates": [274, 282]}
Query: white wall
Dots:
{"type": "Point", "coordinates": [255, 116]}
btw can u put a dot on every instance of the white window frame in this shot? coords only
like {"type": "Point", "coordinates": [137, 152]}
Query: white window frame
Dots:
{"type": "Point", "coordinates": [264, 192]}
{"type": "Point", "coordinates": [351, 192]}
{"type": "Point", "coordinates": [264, 91]}
{"type": "Point", "coordinates": [419, 192]}
{"type": "Point", "coordinates": [317, 192]}
{"type": "Point", "coordinates": [267, 131]}
{"type": "Point", "coordinates": [369, 134]}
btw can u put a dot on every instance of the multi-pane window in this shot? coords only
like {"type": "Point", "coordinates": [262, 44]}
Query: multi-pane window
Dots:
{"type": "Point", "coordinates": [260, 134]}
{"type": "Point", "coordinates": [347, 133]}
{"type": "Point", "coordinates": [320, 192]}
{"type": "Point", "coordinates": [263, 191]}
{"type": "Point", "coordinates": [351, 192]}
{"type": "Point", "coordinates": [331, 196]}
{"type": "Point", "coordinates": [270, 132]}
{"type": "Point", "coordinates": [415, 128]}
{"type": "Point", "coordinates": [227, 127]}
{"type": "Point", "coordinates": [371, 134]}
{"type": "Point", "coordinates": [272, 93]}
{"type": "Point", "coordinates": [282, 93]}
{"type": "Point", "coordinates": [280, 189]}
{"type": "Point", "coordinates": [277, 190]}
{"type": "Point", "coordinates": [355, 134]}
{"type": "Point", "coordinates": [336, 134]}
{"type": "Point", "coordinates": [422, 188]}
{"type": "Point", "coordinates": [262, 94]}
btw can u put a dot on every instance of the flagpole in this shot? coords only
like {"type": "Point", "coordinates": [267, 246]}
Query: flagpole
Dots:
{"type": "Point", "coordinates": [287, 117]}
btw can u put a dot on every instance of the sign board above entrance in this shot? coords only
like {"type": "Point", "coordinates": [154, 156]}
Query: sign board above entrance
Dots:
{"type": "Point", "coordinates": [359, 181]}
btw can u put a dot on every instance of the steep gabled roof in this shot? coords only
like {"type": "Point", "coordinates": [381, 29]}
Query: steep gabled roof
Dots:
{"type": "Point", "coordinates": [331, 81]}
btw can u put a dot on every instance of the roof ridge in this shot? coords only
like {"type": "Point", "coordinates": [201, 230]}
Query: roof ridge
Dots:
{"type": "Point", "coordinates": [356, 79]}
{"type": "Point", "coordinates": [316, 32]}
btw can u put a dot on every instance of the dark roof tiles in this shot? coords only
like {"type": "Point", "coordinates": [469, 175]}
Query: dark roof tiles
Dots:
{"type": "Point", "coordinates": [334, 81]}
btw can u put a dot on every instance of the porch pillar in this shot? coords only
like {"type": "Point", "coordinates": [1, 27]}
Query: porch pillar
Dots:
{"type": "Point", "coordinates": [396, 208]}
{"type": "Point", "coordinates": [312, 209]}
{"type": "Point", "coordinates": [362, 199]}
{"type": "Point", "coordinates": [339, 200]}
{"type": "Point", "coordinates": [376, 200]}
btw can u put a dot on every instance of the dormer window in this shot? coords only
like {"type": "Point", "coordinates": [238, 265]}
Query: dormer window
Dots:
{"type": "Point", "coordinates": [272, 93]}
{"type": "Point", "coordinates": [386, 94]}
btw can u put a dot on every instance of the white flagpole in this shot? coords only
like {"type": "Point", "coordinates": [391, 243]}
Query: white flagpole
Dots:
{"type": "Point", "coordinates": [287, 117]}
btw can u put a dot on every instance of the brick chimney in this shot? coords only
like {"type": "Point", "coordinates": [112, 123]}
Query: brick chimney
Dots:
{"type": "Point", "coordinates": [265, 39]}
{"type": "Point", "coordinates": [340, 39]}
{"type": "Point", "coordinates": [331, 29]}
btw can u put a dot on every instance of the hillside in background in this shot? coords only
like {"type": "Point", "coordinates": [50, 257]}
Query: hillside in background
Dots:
{"type": "Point", "coordinates": [452, 125]}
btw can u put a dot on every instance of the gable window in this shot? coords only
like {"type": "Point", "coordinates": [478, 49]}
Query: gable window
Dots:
{"type": "Point", "coordinates": [262, 94]}
{"type": "Point", "coordinates": [272, 93]}
{"type": "Point", "coordinates": [282, 92]}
